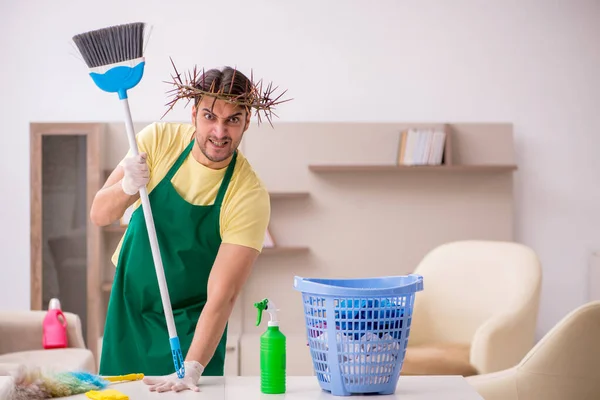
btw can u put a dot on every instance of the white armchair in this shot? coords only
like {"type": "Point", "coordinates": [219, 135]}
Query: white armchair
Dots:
{"type": "Point", "coordinates": [21, 343]}
{"type": "Point", "coordinates": [482, 295]}
{"type": "Point", "coordinates": [565, 364]}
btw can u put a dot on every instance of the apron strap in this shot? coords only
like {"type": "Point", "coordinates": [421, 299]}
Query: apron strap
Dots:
{"type": "Point", "coordinates": [179, 161]}
{"type": "Point", "coordinates": [226, 179]}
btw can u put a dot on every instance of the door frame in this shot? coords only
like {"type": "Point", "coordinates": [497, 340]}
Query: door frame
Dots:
{"type": "Point", "coordinates": [93, 133]}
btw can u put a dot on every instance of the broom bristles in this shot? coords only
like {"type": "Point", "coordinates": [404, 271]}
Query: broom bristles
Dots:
{"type": "Point", "coordinates": [111, 45]}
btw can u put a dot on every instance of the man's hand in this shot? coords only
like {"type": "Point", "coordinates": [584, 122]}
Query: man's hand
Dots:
{"type": "Point", "coordinates": [193, 372]}
{"type": "Point", "coordinates": [135, 173]}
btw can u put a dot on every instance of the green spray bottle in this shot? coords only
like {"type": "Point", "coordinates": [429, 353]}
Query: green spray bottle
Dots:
{"type": "Point", "coordinates": [272, 352]}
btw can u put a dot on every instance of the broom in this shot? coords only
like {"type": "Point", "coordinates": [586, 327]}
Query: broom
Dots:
{"type": "Point", "coordinates": [115, 58]}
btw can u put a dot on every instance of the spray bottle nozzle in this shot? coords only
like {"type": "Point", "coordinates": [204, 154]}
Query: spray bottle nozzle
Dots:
{"type": "Point", "coordinates": [266, 305]}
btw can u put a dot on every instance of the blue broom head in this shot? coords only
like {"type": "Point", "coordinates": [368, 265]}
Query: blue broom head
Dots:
{"type": "Point", "coordinates": [114, 56]}
{"type": "Point", "coordinates": [119, 78]}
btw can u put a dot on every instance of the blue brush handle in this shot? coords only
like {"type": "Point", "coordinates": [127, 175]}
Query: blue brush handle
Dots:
{"type": "Point", "coordinates": [177, 357]}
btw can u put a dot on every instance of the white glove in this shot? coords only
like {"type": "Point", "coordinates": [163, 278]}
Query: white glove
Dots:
{"type": "Point", "coordinates": [193, 372]}
{"type": "Point", "coordinates": [136, 173]}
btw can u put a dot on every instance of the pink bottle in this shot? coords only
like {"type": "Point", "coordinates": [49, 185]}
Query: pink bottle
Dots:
{"type": "Point", "coordinates": [54, 327]}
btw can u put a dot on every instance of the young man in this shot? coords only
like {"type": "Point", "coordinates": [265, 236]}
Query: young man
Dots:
{"type": "Point", "coordinates": [211, 212]}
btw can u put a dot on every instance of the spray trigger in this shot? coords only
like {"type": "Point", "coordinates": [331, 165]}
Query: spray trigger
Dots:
{"type": "Point", "coordinates": [261, 306]}
{"type": "Point", "coordinates": [266, 305]}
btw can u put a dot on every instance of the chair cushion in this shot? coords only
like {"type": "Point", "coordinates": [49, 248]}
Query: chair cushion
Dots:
{"type": "Point", "coordinates": [70, 359]}
{"type": "Point", "coordinates": [438, 359]}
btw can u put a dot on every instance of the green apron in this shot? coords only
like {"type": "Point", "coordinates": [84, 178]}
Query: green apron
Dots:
{"type": "Point", "coordinates": [136, 339]}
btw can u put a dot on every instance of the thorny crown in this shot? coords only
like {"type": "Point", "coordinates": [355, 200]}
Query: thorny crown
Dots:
{"type": "Point", "coordinates": [248, 94]}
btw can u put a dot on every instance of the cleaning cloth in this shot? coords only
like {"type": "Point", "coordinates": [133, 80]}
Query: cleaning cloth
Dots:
{"type": "Point", "coordinates": [108, 394]}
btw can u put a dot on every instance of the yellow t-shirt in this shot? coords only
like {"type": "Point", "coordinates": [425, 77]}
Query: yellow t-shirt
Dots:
{"type": "Point", "coordinates": [246, 207]}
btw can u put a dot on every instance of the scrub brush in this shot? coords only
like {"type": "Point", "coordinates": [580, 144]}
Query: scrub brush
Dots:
{"type": "Point", "coordinates": [115, 58]}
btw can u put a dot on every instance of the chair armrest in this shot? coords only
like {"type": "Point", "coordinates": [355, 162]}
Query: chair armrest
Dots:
{"type": "Point", "coordinates": [7, 383]}
{"type": "Point", "coordinates": [502, 342]}
{"type": "Point", "coordinates": [22, 331]}
{"type": "Point", "coordinates": [501, 385]}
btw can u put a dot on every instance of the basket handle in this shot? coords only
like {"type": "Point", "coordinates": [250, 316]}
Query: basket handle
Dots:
{"type": "Point", "coordinates": [415, 284]}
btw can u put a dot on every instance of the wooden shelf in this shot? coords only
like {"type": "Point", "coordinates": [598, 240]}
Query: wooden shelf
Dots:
{"type": "Point", "coordinates": [266, 250]}
{"type": "Point", "coordinates": [114, 228]}
{"type": "Point", "coordinates": [107, 286]}
{"type": "Point", "coordinates": [412, 168]}
{"type": "Point", "coordinates": [274, 195]}
{"type": "Point", "coordinates": [288, 195]}
{"type": "Point", "coordinates": [284, 250]}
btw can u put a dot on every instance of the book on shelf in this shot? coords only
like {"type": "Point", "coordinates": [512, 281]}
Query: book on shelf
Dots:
{"type": "Point", "coordinates": [421, 146]}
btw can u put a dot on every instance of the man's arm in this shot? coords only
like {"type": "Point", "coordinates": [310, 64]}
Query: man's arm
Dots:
{"type": "Point", "coordinates": [133, 172]}
{"type": "Point", "coordinates": [111, 201]}
{"type": "Point", "coordinates": [232, 267]}
{"type": "Point", "coordinates": [120, 190]}
{"type": "Point", "coordinates": [229, 273]}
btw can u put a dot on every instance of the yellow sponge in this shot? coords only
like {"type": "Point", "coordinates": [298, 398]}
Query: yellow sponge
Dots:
{"type": "Point", "coordinates": [108, 394]}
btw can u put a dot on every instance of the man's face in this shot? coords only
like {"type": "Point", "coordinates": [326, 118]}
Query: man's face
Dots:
{"type": "Point", "coordinates": [219, 128]}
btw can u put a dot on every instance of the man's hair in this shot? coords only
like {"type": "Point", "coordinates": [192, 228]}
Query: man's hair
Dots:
{"type": "Point", "coordinates": [227, 80]}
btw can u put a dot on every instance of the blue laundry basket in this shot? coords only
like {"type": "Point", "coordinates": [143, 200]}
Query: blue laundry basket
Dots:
{"type": "Point", "coordinates": [357, 330]}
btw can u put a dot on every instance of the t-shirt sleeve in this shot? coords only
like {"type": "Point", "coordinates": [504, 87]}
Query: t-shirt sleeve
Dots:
{"type": "Point", "coordinates": [247, 219]}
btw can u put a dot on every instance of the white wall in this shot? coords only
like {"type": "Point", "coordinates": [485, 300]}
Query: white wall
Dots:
{"type": "Point", "coordinates": [531, 63]}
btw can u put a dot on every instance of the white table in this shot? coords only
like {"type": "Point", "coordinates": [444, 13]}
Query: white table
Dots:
{"type": "Point", "coordinates": [303, 388]}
